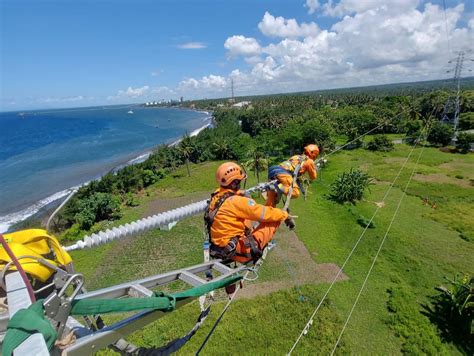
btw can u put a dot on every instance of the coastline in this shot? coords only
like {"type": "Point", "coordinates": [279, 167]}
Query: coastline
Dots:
{"type": "Point", "coordinates": [39, 207]}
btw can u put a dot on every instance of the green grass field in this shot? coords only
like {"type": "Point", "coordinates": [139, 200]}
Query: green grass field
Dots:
{"type": "Point", "coordinates": [424, 245]}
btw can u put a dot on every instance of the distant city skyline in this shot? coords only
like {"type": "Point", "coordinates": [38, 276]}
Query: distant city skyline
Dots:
{"type": "Point", "coordinates": [58, 54]}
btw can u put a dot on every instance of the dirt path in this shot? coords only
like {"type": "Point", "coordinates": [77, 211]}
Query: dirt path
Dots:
{"type": "Point", "coordinates": [290, 261]}
{"type": "Point", "coordinates": [290, 256]}
{"type": "Point", "coordinates": [296, 265]}
{"type": "Point", "coordinates": [160, 205]}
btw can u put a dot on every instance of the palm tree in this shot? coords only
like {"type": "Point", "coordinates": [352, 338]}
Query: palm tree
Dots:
{"type": "Point", "coordinates": [221, 149]}
{"type": "Point", "coordinates": [256, 162]}
{"type": "Point", "coordinates": [186, 149]}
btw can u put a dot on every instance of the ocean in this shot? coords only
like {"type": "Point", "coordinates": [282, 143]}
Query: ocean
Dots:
{"type": "Point", "coordinates": [44, 154]}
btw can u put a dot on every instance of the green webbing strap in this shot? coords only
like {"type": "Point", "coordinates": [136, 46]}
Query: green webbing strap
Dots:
{"type": "Point", "coordinates": [161, 301]}
{"type": "Point", "coordinates": [25, 323]}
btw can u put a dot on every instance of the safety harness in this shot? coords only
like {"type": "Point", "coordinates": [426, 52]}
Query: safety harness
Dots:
{"type": "Point", "coordinates": [230, 250]}
{"type": "Point", "coordinates": [288, 167]}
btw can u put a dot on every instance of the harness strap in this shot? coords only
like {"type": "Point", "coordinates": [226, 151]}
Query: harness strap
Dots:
{"type": "Point", "coordinates": [210, 214]}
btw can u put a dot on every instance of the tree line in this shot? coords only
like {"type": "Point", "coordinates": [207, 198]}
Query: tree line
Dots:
{"type": "Point", "coordinates": [266, 131]}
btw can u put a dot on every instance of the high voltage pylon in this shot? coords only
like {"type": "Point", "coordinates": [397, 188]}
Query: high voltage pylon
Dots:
{"type": "Point", "coordinates": [457, 101]}
{"type": "Point", "coordinates": [232, 89]}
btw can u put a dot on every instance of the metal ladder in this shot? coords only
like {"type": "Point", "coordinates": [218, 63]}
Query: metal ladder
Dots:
{"type": "Point", "coordinates": [89, 341]}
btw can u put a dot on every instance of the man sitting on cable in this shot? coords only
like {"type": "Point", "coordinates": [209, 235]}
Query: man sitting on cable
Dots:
{"type": "Point", "coordinates": [229, 216]}
{"type": "Point", "coordinates": [285, 172]}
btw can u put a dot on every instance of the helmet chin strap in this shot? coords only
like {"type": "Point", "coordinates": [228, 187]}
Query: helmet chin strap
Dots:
{"type": "Point", "coordinates": [235, 185]}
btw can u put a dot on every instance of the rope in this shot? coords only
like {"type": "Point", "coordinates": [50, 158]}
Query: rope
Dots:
{"type": "Point", "coordinates": [377, 254]}
{"type": "Point", "coordinates": [216, 323]}
{"type": "Point", "coordinates": [19, 268]}
{"type": "Point", "coordinates": [310, 321]}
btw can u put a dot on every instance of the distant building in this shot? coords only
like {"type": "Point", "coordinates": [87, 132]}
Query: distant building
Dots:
{"type": "Point", "coordinates": [181, 100]}
{"type": "Point", "coordinates": [241, 104]}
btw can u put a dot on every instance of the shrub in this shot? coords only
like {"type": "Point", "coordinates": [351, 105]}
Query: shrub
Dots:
{"type": "Point", "coordinates": [349, 186]}
{"type": "Point", "coordinates": [131, 200]}
{"type": "Point", "coordinates": [74, 233]}
{"type": "Point", "coordinates": [417, 335]}
{"type": "Point", "coordinates": [315, 131]}
{"type": "Point", "coordinates": [464, 141]}
{"type": "Point", "coordinates": [364, 222]}
{"type": "Point", "coordinates": [466, 121]}
{"type": "Point", "coordinates": [380, 143]}
{"type": "Point", "coordinates": [440, 134]}
{"type": "Point", "coordinates": [99, 206]}
{"type": "Point", "coordinates": [453, 311]}
{"type": "Point", "coordinates": [413, 131]}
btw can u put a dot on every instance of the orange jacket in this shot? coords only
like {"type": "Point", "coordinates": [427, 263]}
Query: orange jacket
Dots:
{"type": "Point", "coordinates": [233, 213]}
{"type": "Point", "coordinates": [307, 166]}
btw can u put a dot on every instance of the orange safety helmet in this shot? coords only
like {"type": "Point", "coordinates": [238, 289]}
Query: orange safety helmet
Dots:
{"type": "Point", "coordinates": [312, 151]}
{"type": "Point", "coordinates": [228, 172]}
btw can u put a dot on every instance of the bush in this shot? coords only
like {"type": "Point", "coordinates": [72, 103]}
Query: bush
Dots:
{"type": "Point", "coordinates": [99, 206]}
{"type": "Point", "coordinates": [349, 186]}
{"type": "Point", "coordinates": [365, 222]}
{"type": "Point", "coordinates": [315, 131]}
{"type": "Point", "coordinates": [74, 233]}
{"type": "Point", "coordinates": [440, 134]}
{"type": "Point", "coordinates": [466, 121]}
{"type": "Point", "coordinates": [418, 336]}
{"type": "Point", "coordinates": [464, 141]}
{"type": "Point", "coordinates": [413, 131]}
{"type": "Point", "coordinates": [131, 200]}
{"type": "Point", "coordinates": [380, 143]}
{"type": "Point", "coordinates": [453, 312]}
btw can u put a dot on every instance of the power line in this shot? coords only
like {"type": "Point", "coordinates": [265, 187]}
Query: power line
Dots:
{"type": "Point", "coordinates": [310, 321]}
{"type": "Point", "coordinates": [246, 274]}
{"type": "Point", "coordinates": [377, 254]}
{"type": "Point", "coordinates": [446, 23]}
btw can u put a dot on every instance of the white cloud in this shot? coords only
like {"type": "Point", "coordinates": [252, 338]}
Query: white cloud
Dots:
{"type": "Point", "coordinates": [192, 45]}
{"type": "Point", "coordinates": [349, 7]}
{"type": "Point", "coordinates": [210, 83]}
{"type": "Point", "coordinates": [163, 90]}
{"type": "Point", "coordinates": [280, 27]}
{"type": "Point", "coordinates": [240, 45]}
{"type": "Point", "coordinates": [130, 93]}
{"type": "Point", "coordinates": [373, 42]}
{"type": "Point", "coordinates": [134, 92]}
{"type": "Point", "coordinates": [156, 73]}
{"type": "Point", "coordinates": [312, 6]}
{"type": "Point", "coordinates": [63, 99]}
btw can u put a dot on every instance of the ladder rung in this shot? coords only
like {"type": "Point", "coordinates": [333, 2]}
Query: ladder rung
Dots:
{"type": "Point", "coordinates": [139, 291]}
{"type": "Point", "coordinates": [221, 268]}
{"type": "Point", "coordinates": [191, 279]}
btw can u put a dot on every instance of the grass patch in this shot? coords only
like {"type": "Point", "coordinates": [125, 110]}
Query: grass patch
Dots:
{"type": "Point", "coordinates": [424, 246]}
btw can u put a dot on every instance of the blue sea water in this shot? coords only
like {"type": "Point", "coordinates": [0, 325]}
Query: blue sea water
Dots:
{"type": "Point", "coordinates": [44, 153]}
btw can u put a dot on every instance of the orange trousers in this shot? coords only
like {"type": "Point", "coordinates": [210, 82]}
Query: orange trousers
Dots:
{"type": "Point", "coordinates": [284, 183]}
{"type": "Point", "coordinates": [263, 234]}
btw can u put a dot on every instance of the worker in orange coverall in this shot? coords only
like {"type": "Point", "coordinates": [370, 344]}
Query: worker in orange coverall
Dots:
{"type": "Point", "coordinates": [284, 173]}
{"type": "Point", "coordinates": [229, 216]}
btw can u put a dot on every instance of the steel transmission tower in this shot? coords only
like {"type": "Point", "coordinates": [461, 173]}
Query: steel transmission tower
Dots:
{"type": "Point", "coordinates": [232, 88]}
{"type": "Point", "coordinates": [457, 100]}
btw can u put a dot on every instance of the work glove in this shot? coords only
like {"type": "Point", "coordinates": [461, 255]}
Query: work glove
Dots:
{"type": "Point", "coordinates": [290, 222]}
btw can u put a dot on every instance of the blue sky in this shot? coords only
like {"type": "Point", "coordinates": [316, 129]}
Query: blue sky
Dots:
{"type": "Point", "coordinates": [77, 53]}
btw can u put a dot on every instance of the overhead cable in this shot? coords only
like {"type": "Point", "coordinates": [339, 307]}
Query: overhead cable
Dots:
{"type": "Point", "coordinates": [310, 321]}
{"type": "Point", "coordinates": [378, 252]}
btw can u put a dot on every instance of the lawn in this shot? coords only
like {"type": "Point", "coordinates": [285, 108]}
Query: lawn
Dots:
{"type": "Point", "coordinates": [425, 244]}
